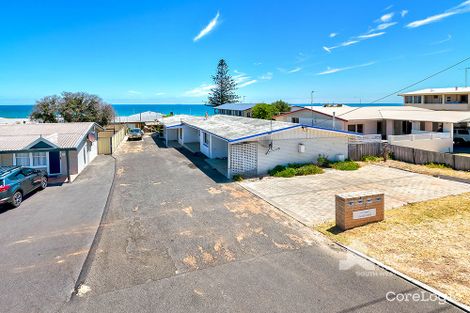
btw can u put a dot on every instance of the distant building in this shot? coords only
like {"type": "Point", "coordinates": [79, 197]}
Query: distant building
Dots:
{"type": "Point", "coordinates": [400, 125]}
{"type": "Point", "coordinates": [138, 120]}
{"type": "Point", "coordinates": [443, 99]}
{"type": "Point", "coordinates": [235, 109]}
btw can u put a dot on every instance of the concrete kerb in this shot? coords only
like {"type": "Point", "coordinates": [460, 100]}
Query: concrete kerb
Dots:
{"type": "Point", "coordinates": [96, 239]}
{"type": "Point", "coordinates": [374, 261]}
{"type": "Point", "coordinates": [407, 278]}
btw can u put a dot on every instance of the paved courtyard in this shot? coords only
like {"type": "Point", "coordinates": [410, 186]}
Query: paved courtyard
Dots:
{"type": "Point", "coordinates": [311, 199]}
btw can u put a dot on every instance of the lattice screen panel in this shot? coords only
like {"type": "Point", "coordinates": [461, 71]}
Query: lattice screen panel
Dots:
{"type": "Point", "coordinates": [244, 159]}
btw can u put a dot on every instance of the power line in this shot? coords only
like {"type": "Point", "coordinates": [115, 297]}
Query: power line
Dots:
{"type": "Point", "coordinates": [411, 85]}
{"type": "Point", "coordinates": [422, 80]}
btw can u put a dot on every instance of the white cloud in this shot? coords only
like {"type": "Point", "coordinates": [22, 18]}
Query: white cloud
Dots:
{"type": "Point", "coordinates": [202, 90]}
{"type": "Point", "coordinates": [449, 37]}
{"type": "Point", "coordinates": [464, 7]}
{"type": "Point", "coordinates": [371, 35]}
{"type": "Point", "coordinates": [383, 26]}
{"type": "Point", "coordinates": [437, 52]}
{"type": "Point", "coordinates": [247, 83]}
{"type": "Point", "coordinates": [294, 70]}
{"type": "Point", "coordinates": [257, 63]}
{"type": "Point", "coordinates": [208, 28]}
{"type": "Point", "coordinates": [403, 13]}
{"type": "Point", "coordinates": [340, 69]}
{"type": "Point", "coordinates": [332, 35]}
{"type": "Point", "coordinates": [160, 93]}
{"type": "Point", "coordinates": [134, 92]}
{"type": "Point", "coordinates": [266, 76]}
{"type": "Point", "coordinates": [389, 7]}
{"type": "Point", "coordinates": [386, 17]}
{"type": "Point", "coordinates": [343, 44]}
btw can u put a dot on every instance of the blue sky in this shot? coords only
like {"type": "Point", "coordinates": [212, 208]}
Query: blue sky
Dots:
{"type": "Point", "coordinates": [165, 51]}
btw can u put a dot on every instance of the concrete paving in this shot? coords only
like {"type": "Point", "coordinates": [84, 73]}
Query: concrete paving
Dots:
{"type": "Point", "coordinates": [45, 241]}
{"type": "Point", "coordinates": [311, 199]}
{"type": "Point", "coordinates": [179, 238]}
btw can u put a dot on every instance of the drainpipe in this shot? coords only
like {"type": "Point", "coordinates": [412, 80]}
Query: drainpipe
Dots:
{"type": "Point", "coordinates": [67, 158]}
{"type": "Point", "coordinates": [334, 120]}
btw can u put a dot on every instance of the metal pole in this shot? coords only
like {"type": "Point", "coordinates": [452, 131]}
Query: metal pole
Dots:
{"type": "Point", "coordinates": [68, 165]}
{"type": "Point", "coordinates": [466, 74]}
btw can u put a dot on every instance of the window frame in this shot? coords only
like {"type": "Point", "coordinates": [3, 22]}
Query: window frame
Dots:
{"type": "Point", "coordinates": [205, 139]}
{"type": "Point", "coordinates": [295, 119]}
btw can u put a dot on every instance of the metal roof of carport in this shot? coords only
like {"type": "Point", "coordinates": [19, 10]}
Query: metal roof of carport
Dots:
{"type": "Point", "coordinates": [236, 128]}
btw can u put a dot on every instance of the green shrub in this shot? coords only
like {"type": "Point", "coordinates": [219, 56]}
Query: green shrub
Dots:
{"type": "Point", "coordinates": [237, 177]}
{"type": "Point", "coordinates": [437, 165]}
{"type": "Point", "coordinates": [309, 169]}
{"type": "Point", "coordinates": [295, 169]}
{"type": "Point", "coordinates": [287, 172]}
{"type": "Point", "coordinates": [323, 161]}
{"type": "Point", "coordinates": [278, 168]}
{"type": "Point", "coordinates": [347, 165]}
{"type": "Point", "coordinates": [371, 158]}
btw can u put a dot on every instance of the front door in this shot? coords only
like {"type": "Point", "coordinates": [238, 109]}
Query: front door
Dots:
{"type": "Point", "coordinates": [54, 162]}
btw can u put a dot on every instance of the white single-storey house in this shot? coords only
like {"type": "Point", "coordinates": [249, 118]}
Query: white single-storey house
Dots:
{"type": "Point", "coordinates": [400, 125]}
{"type": "Point", "coordinates": [250, 147]}
{"type": "Point", "coordinates": [60, 149]}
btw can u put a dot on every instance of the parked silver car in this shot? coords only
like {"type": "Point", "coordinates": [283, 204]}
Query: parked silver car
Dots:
{"type": "Point", "coordinates": [135, 134]}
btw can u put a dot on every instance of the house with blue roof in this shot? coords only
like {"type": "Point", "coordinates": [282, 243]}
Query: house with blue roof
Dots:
{"type": "Point", "coordinates": [249, 147]}
{"type": "Point", "coordinates": [235, 109]}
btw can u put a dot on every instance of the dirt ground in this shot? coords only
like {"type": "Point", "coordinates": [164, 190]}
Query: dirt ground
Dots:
{"type": "Point", "coordinates": [429, 241]}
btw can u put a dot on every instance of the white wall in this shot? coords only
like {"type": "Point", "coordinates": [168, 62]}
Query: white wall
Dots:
{"type": "Point", "coordinates": [312, 119]}
{"type": "Point", "coordinates": [439, 145]}
{"type": "Point", "coordinates": [219, 148]}
{"type": "Point", "coordinates": [286, 147]}
{"type": "Point", "coordinates": [170, 133]}
{"type": "Point", "coordinates": [190, 134]}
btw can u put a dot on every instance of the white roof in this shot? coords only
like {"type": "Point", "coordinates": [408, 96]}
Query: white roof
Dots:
{"type": "Point", "coordinates": [177, 120]}
{"type": "Point", "coordinates": [433, 91]}
{"type": "Point", "coordinates": [18, 137]}
{"type": "Point", "coordinates": [348, 113]}
{"type": "Point", "coordinates": [147, 116]}
{"type": "Point", "coordinates": [236, 128]}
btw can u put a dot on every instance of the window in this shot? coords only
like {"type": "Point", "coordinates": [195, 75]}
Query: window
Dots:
{"type": "Point", "coordinates": [27, 171]}
{"type": "Point", "coordinates": [417, 99]}
{"type": "Point", "coordinates": [422, 126]}
{"type": "Point", "coordinates": [39, 159]}
{"type": "Point", "coordinates": [379, 127]}
{"type": "Point", "coordinates": [463, 131]}
{"type": "Point", "coordinates": [205, 139]}
{"type": "Point", "coordinates": [295, 120]}
{"type": "Point", "coordinates": [437, 127]}
{"type": "Point", "coordinates": [356, 128]}
{"type": "Point", "coordinates": [22, 159]}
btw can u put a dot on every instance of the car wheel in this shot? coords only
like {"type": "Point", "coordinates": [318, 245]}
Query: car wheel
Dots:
{"type": "Point", "coordinates": [43, 183]}
{"type": "Point", "coordinates": [17, 199]}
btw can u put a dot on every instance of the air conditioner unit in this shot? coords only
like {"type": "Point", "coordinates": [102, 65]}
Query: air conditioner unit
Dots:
{"type": "Point", "coordinates": [301, 148]}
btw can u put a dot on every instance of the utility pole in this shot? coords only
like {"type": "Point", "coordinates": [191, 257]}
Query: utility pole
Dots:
{"type": "Point", "coordinates": [311, 97]}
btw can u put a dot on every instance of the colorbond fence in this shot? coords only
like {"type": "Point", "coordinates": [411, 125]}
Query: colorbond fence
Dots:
{"type": "Point", "coordinates": [410, 155]}
{"type": "Point", "coordinates": [110, 139]}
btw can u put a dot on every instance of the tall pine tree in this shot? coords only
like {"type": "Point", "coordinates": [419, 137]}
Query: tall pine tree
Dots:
{"type": "Point", "coordinates": [225, 86]}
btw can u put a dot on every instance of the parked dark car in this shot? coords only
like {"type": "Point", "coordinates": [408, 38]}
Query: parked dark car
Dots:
{"type": "Point", "coordinates": [18, 181]}
{"type": "Point", "coordinates": [135, 133]}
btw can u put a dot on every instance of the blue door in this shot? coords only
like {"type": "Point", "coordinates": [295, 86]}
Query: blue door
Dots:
{"type": "Point", "coordinates": [54, 162]}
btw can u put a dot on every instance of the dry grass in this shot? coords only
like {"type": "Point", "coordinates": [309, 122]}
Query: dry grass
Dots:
{"type": "Point", "coordinates": [429, 241]}
{"type": "Point", "coordinates": [423, 169]}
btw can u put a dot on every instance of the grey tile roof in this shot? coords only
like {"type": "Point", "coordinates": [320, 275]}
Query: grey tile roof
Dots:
{"type": "Point", "coordinates": [234, 128]}
{"type": "Point", "coordinates": [65, 135]}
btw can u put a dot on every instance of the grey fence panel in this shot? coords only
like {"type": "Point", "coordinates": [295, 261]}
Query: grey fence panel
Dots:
{"type": "Point", "coordinates": [358, 150]}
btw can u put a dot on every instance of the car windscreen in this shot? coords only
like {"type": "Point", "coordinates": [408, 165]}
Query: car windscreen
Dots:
{"type": "Point", "coordinates": [135, 131]}
{"type": "Point", "coordinates": [1, 182]}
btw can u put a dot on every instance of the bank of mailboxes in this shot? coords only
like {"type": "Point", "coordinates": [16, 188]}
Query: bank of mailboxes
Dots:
{"type": "Point", "coordinates": [359, 208]}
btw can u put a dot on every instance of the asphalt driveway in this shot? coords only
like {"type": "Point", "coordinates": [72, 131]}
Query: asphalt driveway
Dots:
{"type": "Point", "coordinates": [45, 241]}
{"type": "Point", "coordinates": [311, 199]}
{"type": "Point", "coordinates": [179, 238]}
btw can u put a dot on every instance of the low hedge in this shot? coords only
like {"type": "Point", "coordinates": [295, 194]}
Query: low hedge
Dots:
{"type": "Point", "coordinates": [292, 170]}
{"type": "Point", "coordinates": [345, 165]}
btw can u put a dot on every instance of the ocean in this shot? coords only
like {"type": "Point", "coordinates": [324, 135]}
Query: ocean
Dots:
{"type": "Point", "coordinates": [23, 111]}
